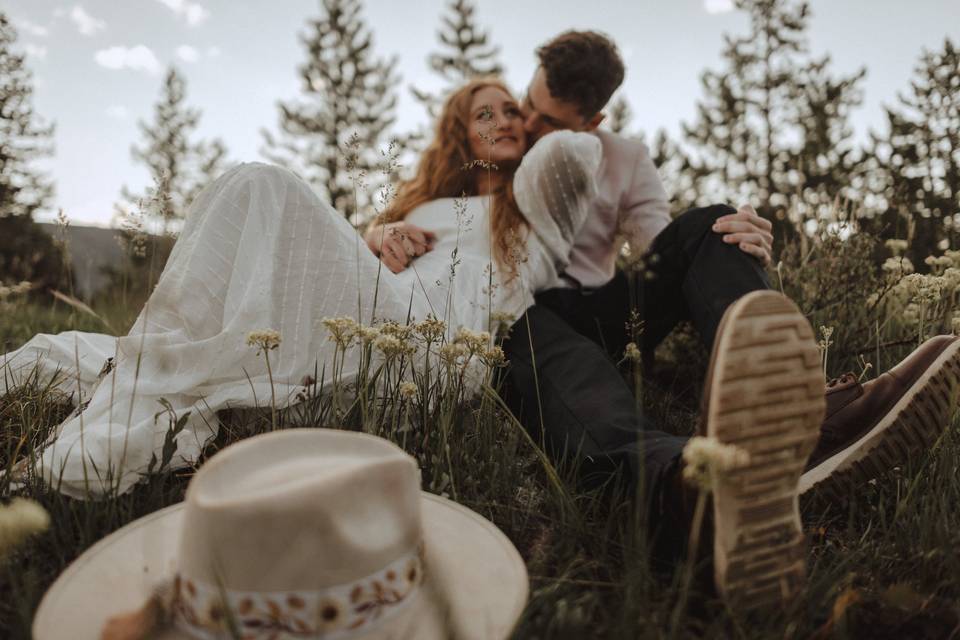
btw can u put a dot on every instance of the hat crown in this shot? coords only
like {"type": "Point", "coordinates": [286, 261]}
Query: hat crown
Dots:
{"type": "Point", "coordinates": [292, 511]}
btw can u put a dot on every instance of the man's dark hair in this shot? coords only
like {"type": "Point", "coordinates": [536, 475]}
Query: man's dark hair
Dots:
{"type": "Point", "coordinates": [583, 68]}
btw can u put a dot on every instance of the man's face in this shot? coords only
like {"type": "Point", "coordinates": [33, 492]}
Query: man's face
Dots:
{"type": "Point", "coordinates": [542, 113]}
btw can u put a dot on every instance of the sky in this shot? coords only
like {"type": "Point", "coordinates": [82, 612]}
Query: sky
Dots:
{"type": "Point", "coordinates": [98, 64]}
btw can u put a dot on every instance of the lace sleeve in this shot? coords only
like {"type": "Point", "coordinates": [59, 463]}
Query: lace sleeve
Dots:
{"type": "Point", "coordinates": [554, 186]}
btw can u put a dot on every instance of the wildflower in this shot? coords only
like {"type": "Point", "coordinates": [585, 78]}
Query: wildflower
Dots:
{"type": "Point", "coordinates": [367, 335]}
{"type": "Point", "coordinates": [938, 263]}
{"type": "Point", "coordinates": [390, 346]}
{"type": "Point", "coordinates": [896, 246]}
{"type": "Point", "coordinates": [431, 329]}
{"type": "Point", "coordinates": [264, 340]}
{"type": "Point", "coordinates": [19, 520]}
{"type": "Point", "coordinates": [701, 455]}
{"type": "Point", "coordinates": [402, 332]}
{"type": "Point", "coordinates": [632, 352]}
{"type": "Point", "coordinates": [453, 351]}
{"type": "Point", "coordinates": [898, 267]}
{"type": "Point", "coordinates": [408, 390]}
{"type": "Point", "coordinates": [341, 330]}
{"type": "Point", "coordinates": [493, 357]}
{"type": "Point", "coordinates": [475, 341]}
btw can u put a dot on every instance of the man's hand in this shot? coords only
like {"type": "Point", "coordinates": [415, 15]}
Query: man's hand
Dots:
{"type": "Point", "coordinates": [397, 243]}
{"type": "Point", "coordinates": [748, 230]}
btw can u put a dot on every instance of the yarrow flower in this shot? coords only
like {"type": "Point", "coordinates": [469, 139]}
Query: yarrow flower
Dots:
{"type": "Point", "coordinates": [898, 267]}
{"type": "Point", "coordinates": [431, 329]}
{"type": "Point", "coordinates": [896, 246]}
{"type": "Point", "coordinates": [632, 352]}
{"type": "Point", "coordinates": [475, 341]}
{"type": "Point", "coordinates": [264, 340]}
{"type": "Point", "coordinates": [342, 330]}
{"type": "Point", "coordinates": [493, 357]}
{"type": "Point", "coordinates": [408, 390]}
{"type": "Point", "coordinates": [701, 455]}
{"type": "Point", "coordinates": [389, 345]}
{"type": "Point", "coordinates": [453, 351]}
{"type": "Point", "coordinates": [19, 520]}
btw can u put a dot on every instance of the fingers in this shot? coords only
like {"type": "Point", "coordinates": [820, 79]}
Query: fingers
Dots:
{"type": "Point", "coordinates": [394, 256]}
{"type": "Point", "coordinates": [747, 213]}
{"type": "Point", "coordinates": [758, 252]}
{"type": "Point", "coordinates": [415, 241]}
{"type": "Point", "coordinates": [740, 226]}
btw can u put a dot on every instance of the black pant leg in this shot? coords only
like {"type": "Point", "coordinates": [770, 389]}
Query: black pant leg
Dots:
{"type": "Point", "coordinates": [694, 275]}
{"type": "Point", "coordinates": [587, 409]}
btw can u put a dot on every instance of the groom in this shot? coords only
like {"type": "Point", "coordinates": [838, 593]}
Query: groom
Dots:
{"type": "Point", "coordinates": [562, 380]}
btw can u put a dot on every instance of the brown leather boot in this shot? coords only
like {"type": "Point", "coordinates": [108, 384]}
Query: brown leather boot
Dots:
{"type": "Point", "coordinates": [873, 427]}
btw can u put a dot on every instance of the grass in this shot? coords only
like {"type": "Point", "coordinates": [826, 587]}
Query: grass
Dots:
{"type": "Point", "coordinates": [883, 565]}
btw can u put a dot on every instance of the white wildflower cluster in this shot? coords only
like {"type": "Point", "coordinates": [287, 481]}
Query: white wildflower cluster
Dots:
{"type": "Point", "coordinates": [342, 330]}
{"type": "Point", "coordinates": [408, 390]}
{"type": "Point", "coordinates": [264, 340]}
{"type": "Point", "coordinates": [632, 352]}
{"type": "Point", "coordinates": [19, 520]}
{"type": "Point", "coordinates": [925, 289]}
{"type": "Point", "coordinates": [898, 267]}
{"type": "Point", "coordinates": [431, 329]}
{"type": "Point", "coordinates": [896, 246]}
{"type": "Point", "coordinates": [701, 455]}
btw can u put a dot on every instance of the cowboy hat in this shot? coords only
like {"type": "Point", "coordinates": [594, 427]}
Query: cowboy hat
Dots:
{"type": "Point", "coordinates": [302, 533]}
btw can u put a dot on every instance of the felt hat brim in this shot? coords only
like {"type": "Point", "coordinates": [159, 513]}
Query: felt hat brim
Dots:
{"type": "Point", "coordinates": [475, 584]}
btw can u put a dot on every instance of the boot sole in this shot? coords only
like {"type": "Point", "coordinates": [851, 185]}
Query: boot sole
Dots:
{"type": "Point", "coordinates": [914, 423]}
{"type": "Point", "coordinates": [765, 396]}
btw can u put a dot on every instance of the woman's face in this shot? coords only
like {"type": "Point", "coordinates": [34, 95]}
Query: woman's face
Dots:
{"type": "Point", "coordinates": [496, 127]}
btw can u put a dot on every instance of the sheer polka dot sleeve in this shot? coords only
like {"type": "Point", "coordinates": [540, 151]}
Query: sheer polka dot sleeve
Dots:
{"type": "Point", "coordinates": [554, 186]}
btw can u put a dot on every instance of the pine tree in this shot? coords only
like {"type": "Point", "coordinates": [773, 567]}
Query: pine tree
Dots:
{"type": "Point", "coordinates": [178, 167]}
{"type": "Point", "coordinates": [772, 126]}
{"type": "Point", "coordinates": [26, 251]}
{"type": "Point", "coordinates": [465, 53]}
{"type": "Point", "coordinates": [619, 116]}
{"type": "Point", "coordinates": [918, 157]}
{"type": "Point", "coordinates": [23, 138]}
{"type": "Point", "coordinates": [332, 136]}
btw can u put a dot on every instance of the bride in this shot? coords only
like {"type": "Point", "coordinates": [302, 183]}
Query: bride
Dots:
{"type": "Point", "coordinates": [474, 233]}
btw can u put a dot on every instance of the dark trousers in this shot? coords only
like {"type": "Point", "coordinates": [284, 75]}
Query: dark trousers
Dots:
{"type": "Point", "coordinates": [573, 336]}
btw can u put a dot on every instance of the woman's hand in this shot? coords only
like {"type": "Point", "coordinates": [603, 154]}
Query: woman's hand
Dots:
{"type": "Point", "coordinates": [749, 231]}
{"type": "Point", "coordinates": [397, 243]}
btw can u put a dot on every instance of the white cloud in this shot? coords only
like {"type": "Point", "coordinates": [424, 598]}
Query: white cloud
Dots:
{"type": "Point", "coordinates": [138, 58]}
{"type": "Point", "coordinates": [35, 51]}
{"type": "Point", "coordinates": [118, 111]}
{"type": "Point", "coordinates": [718, 6]}
{"type": "Point", "coordinates": [187, 53]}
{"type": "Point", "coordinates": [86, 23]}
{"type": "Point", "coordinates": [32, 28]}
{"type": "Point", "coordinates": [192, 12]}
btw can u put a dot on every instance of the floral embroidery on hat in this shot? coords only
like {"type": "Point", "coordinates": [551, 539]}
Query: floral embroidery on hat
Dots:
{"type": "Point", "coordinates": [205, 611]}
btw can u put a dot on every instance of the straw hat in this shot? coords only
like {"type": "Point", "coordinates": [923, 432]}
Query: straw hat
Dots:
{"type": "Point", "coordinates": [312, 533]}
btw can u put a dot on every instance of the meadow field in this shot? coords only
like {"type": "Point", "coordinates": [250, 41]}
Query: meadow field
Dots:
{"type": "Point", "coordinates": [882, 561]}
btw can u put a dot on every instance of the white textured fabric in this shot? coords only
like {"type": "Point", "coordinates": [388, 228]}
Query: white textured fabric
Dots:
{"type": "Point", "coordinates": [260, 250]}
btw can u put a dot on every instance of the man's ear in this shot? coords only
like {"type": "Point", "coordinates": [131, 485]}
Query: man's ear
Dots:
{"type": "Point", "coordinates": [595, 121]}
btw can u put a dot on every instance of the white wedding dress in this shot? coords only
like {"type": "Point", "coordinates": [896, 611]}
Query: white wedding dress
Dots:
{"type": "Point", "coordinates": [259, 250]}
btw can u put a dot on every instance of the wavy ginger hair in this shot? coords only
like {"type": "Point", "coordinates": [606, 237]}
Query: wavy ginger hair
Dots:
{"type": "Point", "coordinates": [445, 171]}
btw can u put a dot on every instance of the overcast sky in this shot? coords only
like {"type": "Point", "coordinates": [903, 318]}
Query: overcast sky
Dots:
{"type": "Point", "coordinates": [98, 64]}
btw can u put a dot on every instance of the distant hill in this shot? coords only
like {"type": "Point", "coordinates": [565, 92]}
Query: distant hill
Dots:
{"type": "Point", "coordinates": [91, 249]}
